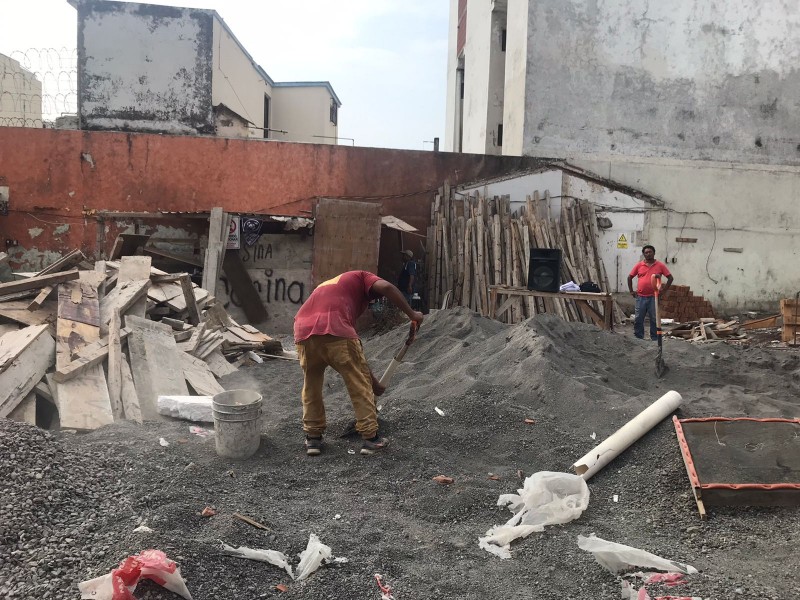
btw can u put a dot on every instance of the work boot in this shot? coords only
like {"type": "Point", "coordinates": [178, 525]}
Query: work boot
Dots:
{"type": "Point", "coordinates": [373, 445]}
{"type": "Point", "coordinates": [313, 445]}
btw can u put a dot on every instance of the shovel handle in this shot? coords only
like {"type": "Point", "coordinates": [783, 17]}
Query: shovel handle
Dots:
{"type": "Point", "coordinates": [655, 282]}
{"type": "Point", "coordinates": [412, 333]}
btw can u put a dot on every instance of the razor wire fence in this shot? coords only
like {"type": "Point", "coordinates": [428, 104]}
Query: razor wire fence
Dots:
{"type": "Point", "coordinates": [37, 86]}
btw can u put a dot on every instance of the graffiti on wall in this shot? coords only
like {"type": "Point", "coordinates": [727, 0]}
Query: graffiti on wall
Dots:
{"type": "Point", "coordinates": [279, 266]}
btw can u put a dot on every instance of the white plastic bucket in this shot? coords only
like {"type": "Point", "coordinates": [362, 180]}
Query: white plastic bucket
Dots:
{"type": "Point", "coordinates": [237, 423]}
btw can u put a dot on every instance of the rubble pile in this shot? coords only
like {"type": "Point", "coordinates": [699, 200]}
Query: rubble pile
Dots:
{"type": "Point", "coordinates": [102, 341]}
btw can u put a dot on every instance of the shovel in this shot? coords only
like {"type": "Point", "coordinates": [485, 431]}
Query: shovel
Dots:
{"type": "Point", "coordinates": [398, 358]}
{"type": "Point", "coordinates": [661, 367]}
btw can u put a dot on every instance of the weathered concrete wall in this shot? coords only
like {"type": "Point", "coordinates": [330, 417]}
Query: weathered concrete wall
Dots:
{"type": "Point", "coordinates": [144, 67]}
{"type": "Point", "coordinates": [58, 180]}
{"type": "Point", "coordinates": [477, 56]}
{"type": "Point", "coordinates": [725, 207]}
{"type": "Point", "coordinates": [686, 79]}
{"type": "Point", "coordinates": [303, 112]}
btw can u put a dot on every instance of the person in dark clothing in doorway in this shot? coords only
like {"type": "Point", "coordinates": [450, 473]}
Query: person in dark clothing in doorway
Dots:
{"type": "Point", "coordinates": [408, 275]}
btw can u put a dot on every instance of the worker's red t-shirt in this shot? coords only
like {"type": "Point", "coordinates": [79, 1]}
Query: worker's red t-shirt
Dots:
{"type": "Point", "coordinates": [332, 308]}
{"type": "Point", "coordinates": [643, 271]}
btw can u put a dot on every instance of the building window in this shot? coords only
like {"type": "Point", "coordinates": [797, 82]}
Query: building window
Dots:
{"type": "Point", "coordinates": [503, 41]}
{"type": "Point", "coordinates": [500, 134]}
{"type": "Point", "coordinates": [334, 112]}
{"type": "Point", "coordinates": [266, 116]}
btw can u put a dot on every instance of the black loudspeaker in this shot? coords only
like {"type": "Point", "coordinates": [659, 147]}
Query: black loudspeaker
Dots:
{"type": "Point", "coordinates": [544, 271]}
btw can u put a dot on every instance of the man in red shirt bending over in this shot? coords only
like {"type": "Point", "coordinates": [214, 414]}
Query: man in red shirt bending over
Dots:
{"type": "Point", "coordinates": [645, 294]}
{"type": "Point", "coordinates": [325, 334]}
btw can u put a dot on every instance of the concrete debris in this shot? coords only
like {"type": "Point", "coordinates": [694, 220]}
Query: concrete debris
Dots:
{"type": "Point", "coordinates": [188, 408]}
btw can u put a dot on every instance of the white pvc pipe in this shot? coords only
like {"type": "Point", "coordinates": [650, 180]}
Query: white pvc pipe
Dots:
{"type": "Point", "coordinates": [619, 441]}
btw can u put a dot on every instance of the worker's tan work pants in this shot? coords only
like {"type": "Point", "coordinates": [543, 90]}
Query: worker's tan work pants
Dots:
{"type": "Point", "coordinates": [347, 358]}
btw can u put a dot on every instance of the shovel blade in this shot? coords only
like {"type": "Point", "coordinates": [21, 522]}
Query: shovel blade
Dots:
{"type": "Point", "coordinates": [661, 367]}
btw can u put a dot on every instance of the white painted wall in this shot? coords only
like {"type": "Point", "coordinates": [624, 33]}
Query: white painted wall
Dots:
{"type": "Point", "coordinates": [723, 205]}
{"type": "Point", "coordinates": [476, 77]}
{"type": "Point", "coordinates": [452, 100]}
{"type": "Point", "coordinates": [20, 95]}
{"type": "Point", "coordinates": [516, 72]}
{"type": "Point", "coordinates": [280, 267]}
{"type": "Point", "coordinates": [144, 69]}
{"type": "Point", "coordinates": [235, 81]}
{"type": "Point", "coordinates": [303, 112]}
{"type": "Point", "coordinates": [519, 188]}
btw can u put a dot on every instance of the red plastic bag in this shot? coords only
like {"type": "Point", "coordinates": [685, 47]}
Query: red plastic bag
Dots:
{"type": "Point", "coordinates": [120, 583]}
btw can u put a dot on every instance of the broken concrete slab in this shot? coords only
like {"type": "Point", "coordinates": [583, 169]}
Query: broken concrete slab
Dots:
{"type": "Point", "coordinates": [189, 408]}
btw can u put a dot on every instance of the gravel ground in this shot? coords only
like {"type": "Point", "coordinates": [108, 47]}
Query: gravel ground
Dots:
{"type": "Point", "coordinates": [69, 503]}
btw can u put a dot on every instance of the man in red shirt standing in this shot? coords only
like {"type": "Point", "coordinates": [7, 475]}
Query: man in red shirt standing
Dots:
{"type": "Point", "coordinates": [645, 294]}
{"type": "Point", "coordinates": [325, 334]}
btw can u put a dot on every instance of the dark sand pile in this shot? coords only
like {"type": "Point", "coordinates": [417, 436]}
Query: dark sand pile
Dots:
{"type": "Point", "coordinates": [573, 380]}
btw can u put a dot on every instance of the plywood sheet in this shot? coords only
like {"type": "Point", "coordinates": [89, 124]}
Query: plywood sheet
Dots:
{"type": "Point", "coordinates": [156, 366]}
{"type": "Point", "coordinates": [25, 371]}
{"type": "Point", "coordinates": [346, 238]}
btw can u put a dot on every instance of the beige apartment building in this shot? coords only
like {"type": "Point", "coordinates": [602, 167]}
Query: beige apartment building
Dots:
{"type": "Point", "coordinates": [20, 95]}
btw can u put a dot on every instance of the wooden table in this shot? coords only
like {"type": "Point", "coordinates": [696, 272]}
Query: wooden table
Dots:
{"type": "Point", "coordinates": [604, 321]}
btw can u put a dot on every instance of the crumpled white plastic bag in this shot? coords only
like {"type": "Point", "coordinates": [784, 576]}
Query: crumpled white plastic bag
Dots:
{"type": "Point", "coordinates": [120, 583]}
{"type": "Point", "coordinates": [315, 555]}
{"type": "Point", "coordinates": [619, 557]}
{"type": "Point", "coordinates": [273, 557]}
{"type": "Point", "coordinates": [546, 498]}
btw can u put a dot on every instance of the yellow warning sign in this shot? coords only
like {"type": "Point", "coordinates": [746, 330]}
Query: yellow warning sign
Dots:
{"type": "Point", "coordinates": [622, 242]}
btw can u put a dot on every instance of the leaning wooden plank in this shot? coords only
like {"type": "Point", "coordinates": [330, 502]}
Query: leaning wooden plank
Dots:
{"type": "Point", "coordinates": [15, 342]}
{"type": "Point", "coordinates": [121, 298]}
{"type": "Point", "coordinates": [191, 302]}
{"type": "Point", "coordinates": [178, 303]}
{"type": "Point", "coordinates": [193, 342]}
{"type": "Point", "coordinates": [32, 283]}
{"type": "Point", "coordinates": [218, 364]}
{"type": "Point", "coordinates": [37, 302]}
{"type": "Point", "coordinates": [199, 376]}
{"type": "Point", "coordinates": [88, 356]}
{"type": "Point", "coordinates": [184, 258]}
{"type": "Point", "coordinates": [164, 292]}
{"type": "Point", "coordinates": [243, 286]}
{"type": "Point", "coordinates": [83, 402]}
{"type": "Point", "coordinates": [135, 268]}
{"type": "Point", "coordinates": [156, 366]}
{"type": "Point", "coordinates": [43, 389]}
{"type": "Point", "coordinates": [130, 400]}
{"type": "Point", "coordinates": [127, 244]}
{"type": "Point", "coordinates": [25, 411]}
{"type": "Point", "coordinates": [8, 328]}
{"type": "Point", "coordinates": [216, 235]}
{"type": "Point", "coordinates": [68, 261]}
{"type": "Point", "coordinates": [27, 369]}
{"type": "Point", "coordinates": [114, 366]}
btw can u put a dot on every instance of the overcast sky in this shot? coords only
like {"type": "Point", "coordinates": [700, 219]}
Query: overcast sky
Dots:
{"type": "Point", "coordinates": [386, 59]}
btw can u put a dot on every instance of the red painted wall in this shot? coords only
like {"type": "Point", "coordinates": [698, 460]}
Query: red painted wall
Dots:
{"type": "Point", "coordinates": [59, 178]}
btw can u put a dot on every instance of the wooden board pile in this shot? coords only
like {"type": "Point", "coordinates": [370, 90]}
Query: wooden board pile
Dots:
{"type": "Point", "coordinates": [707, 329]}
{"type": "Point", "coordinates": [103, 341]}
{"type": "Point", "coordinates": [475, 242]}
{"type": "Point", "coordinates": [682, 305]}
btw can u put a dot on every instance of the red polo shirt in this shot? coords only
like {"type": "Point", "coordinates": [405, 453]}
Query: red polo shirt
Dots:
{"type": "Point", "coordinates": [643, 271]}
{"type": "Point", "coordinates": [332, 308]}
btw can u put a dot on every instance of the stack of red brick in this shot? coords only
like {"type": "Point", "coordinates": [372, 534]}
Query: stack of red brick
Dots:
{"type": "Point", "coordinates": [682, 305]}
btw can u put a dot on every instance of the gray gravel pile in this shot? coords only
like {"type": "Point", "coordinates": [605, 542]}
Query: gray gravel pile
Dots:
{"type": "Point", "coordinates": [385, 513]}
{"type": "Point", "coordinates": [53, 503]}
